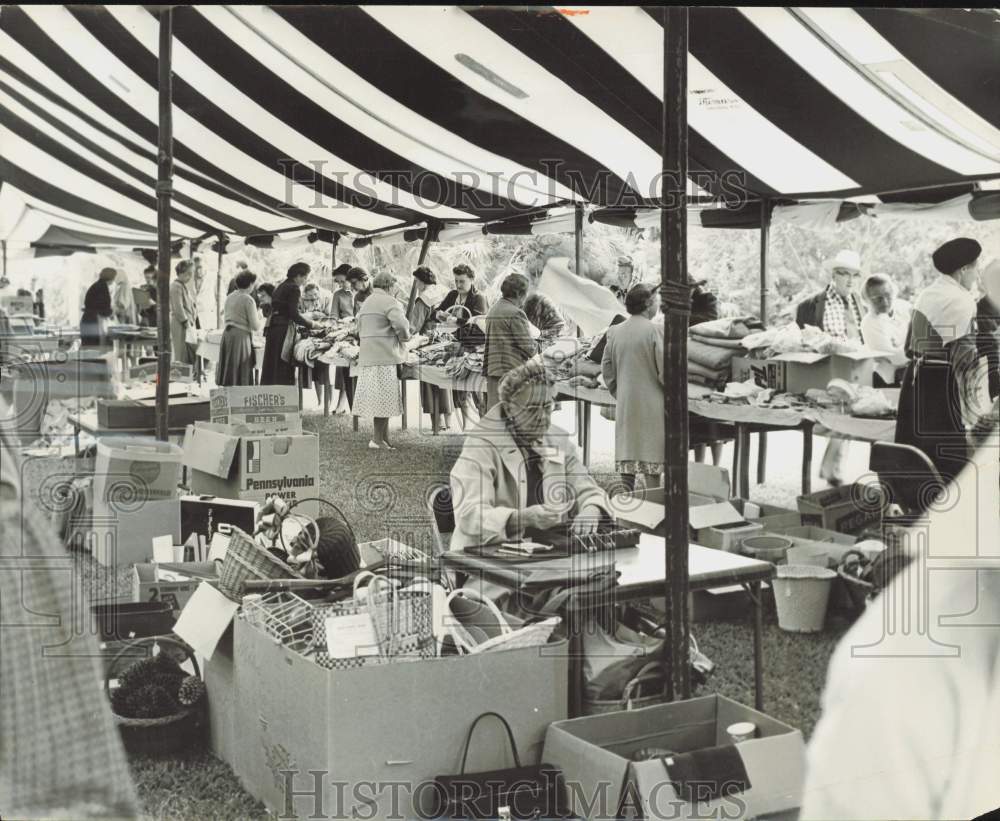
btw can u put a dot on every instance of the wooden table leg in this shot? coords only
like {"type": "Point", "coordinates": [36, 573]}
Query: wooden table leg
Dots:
{"type": "Point", "coordinates": [807, 457]}
{"type": "Point", "coordinates": [586, 433]}
{"type": "Point", "coordinates": [575, 649]}
{"type": "Point", "coordinates": [761, 457]}
{"type": "Point", "coordinates": [435, 410]}
{"type": "Point", "coordinates": [579, 422]}
{"type": "Point", "coordinates": [743, 443]}
{"type": "Point", "coordinates": [758, 645]}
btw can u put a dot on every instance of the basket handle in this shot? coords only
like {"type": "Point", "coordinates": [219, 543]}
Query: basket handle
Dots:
{"type": "Point", "coordinates": [153, 640]}
{"type": "Point", "coordinates": [328, 503]}
{"type": "Point", "coordinates": [646, 674]}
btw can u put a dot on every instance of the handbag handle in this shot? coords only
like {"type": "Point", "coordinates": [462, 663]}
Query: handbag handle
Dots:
{"type": "Point", "coordinates": [510, 737]}
{"type": "Point", "coordinates": [470, 593]}
{"type": "Point", "coordinates": [644, 675]}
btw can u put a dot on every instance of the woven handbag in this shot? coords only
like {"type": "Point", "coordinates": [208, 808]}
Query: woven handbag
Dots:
{"type": "Point", "coordinates": [403, 619]}
{"type": "Point", "coordinates": [322, 654]}
{"type": "Point", "coordinates": [247, 561]}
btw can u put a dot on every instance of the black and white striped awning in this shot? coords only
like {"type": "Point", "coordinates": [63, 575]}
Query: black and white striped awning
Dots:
{"type": "Point", "coordinates": [373, 119]}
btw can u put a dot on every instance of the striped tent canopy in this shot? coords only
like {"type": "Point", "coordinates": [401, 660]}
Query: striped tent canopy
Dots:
{"type": "Point", "coordinates": [368, 120]}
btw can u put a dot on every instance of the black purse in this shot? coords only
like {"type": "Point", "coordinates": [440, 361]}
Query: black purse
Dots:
{"type": "Point", "coordinates": [516, 794]}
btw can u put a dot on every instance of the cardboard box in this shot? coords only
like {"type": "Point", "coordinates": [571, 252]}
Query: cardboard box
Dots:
{"type": "Point", "coordinates": [148, 586]}
{"type": "Point", "coordinates": [74, 375]}
{"type": "Point", "coordinates": [646, 509]}
{"type": "Point", "coordinates": [224, 734]}
{"type": "Point", "coordinates": [252, 467]}
{"type": "Point", "coordinates": [140, 414]}
{"type": "Point", "coordinates": [12, 305]}
{"type": "Point", "coordinates": [204, 514]}
{"type": "Point", "coordinates": [258, 409]}
{"type": "Point", "coordinates": [846, 509]}
{"type": "Point", "coordinates": [132, 470]}
{"type": "Point", "coordinates": [121, 533]}
{"type": "Point", "coordinates": [799, 372]}
{"type": "Point", "coordinates": [401, 723]}
{"type": "Point", "coordinates": [594, 754]}
{"type": "Point", "coordinates": [179, 372]}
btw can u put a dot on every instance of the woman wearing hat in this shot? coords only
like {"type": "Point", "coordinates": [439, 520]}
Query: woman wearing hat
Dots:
{"type": "Point", "coordinates": [278, 367]}
{"type": "Point", "coordinates": [837, 310]}
{"type": "Point", "coordinates": [383, 331]}
{"type": "Point", "coordinates": [938, 399]}
{"type": "Point", "coordinates": [421, 316]}
{"type": "Point", "coordinates": [518, 475]}
{"type": "Point", "coordinates": [97, 311]}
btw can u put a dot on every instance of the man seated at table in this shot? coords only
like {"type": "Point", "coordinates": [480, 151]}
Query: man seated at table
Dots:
{"type": "Point", "coordinates": [518, 475]}
{"type": "Point", "coordinates": [884, 327]}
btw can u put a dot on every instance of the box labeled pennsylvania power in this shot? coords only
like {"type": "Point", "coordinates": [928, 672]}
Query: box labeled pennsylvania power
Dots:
{"type": "Point", "coordinates": [252, 467]}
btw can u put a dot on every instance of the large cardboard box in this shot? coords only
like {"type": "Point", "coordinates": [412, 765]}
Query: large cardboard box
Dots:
{"type": "Point", "coordinates": [140, 414]}
{"type": "Point", "coordinates": [136, 469]}
{"type": "Point", "coordinates": [121, 533]}
{"type": "Point", "coordinates": [258, 409]}
{"type": "Point", "coordinates": [148, 583]}
{"type": "Point", "coordinates": [847, 509]}
{"type": "Point", "coordinates": [595, 753]}
{"type": "Point", "coordinates": [252, 467]}
{"type": "Point", "coordinates": [799, 372]}
{"type": "Point", "coordinates": [326, 734]}
{"type": "Point", "coordinates": [180, 372]}
{"type": "Point", "coordinates": [224, 730]}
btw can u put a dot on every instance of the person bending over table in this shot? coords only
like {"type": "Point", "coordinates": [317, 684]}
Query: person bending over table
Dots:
{"type": "Point", "coordinates": [466, 295]}
{"type": "Point", "coordinates": [519, 475]}
{"type": "Point", "coordinates": [278, 367]}
{"type": "Point", "coordinates": [421, 319]}
{"type": "Point", "coordinates": [508, 335]}
{"type": "Point", "coordinates": [317, 304]}
{"type": "Point", "coordinates": [342, 308]}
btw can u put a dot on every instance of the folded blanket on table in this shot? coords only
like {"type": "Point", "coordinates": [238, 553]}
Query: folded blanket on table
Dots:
{"type": "Point", "coordinates": [708, 373]}
{"type": "Point", "coordinates": [718, 342]}
{"type": "Point", "coordinates": [732, 328]}
{"type": "Point", "coordinates": [710, 356]}
{"type": "Point", "coordinates": [715, 383]}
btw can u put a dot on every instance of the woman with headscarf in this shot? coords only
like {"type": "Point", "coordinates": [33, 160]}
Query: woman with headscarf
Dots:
{"type": "Point", "coordinates": [938, 402]}
{"type": "Point", "coordinates": [278, 367]}
{"type": "Point", "coordinates": [97, 311]}
{"type": "Point", "coordinates": [242, 321]}
{"type": "Point", "coordinates": [633, 371]}
{"type": "Point", "coordinates": [421, 319]}
{"type": "Point", "coordinates": [383, 331]}
{"type": "Point", "coordinates": [518, 476]}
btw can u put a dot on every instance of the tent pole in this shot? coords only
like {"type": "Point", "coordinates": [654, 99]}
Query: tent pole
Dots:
{"type": "Point", "coordinates": [218, 287]}
{"type": "Point", "coordinates": [424, 245]}
{"type": "Point", "coordinates": [163, 192]}
{"type": "Point", "coordinates": [676, 300]}
{"type": "Point", "coordinates": [578, 248]}
{"type": "Point", "coordinates": [765, 235]}
{"type": "Point", "coordinates": [333, 252]}
{"type": "Point", "coordinates": [4, 244]}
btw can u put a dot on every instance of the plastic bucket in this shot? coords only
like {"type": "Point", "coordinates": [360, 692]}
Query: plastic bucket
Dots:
{"type": "Point", "coordinates": [767, 548]}
{"type": "Point", "coordinates": [813, 555]}
{"type": "Point", "coordinates": [801, 593]}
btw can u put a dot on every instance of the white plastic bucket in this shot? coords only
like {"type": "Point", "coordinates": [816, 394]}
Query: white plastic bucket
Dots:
{"type": "Point", "coordinates": [815, 555]}
{"type": "Point", "coordinates": [801, 593]}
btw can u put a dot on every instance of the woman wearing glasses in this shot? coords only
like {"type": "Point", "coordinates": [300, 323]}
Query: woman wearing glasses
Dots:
{"type": "Point", "coordinates": [837, 310]}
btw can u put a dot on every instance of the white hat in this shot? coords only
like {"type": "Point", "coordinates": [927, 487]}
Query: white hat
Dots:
{"type": "Point", "coordinates": [848, 260]}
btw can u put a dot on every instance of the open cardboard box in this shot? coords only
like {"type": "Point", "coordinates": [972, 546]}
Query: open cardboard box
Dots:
{"type": "Point", "coordinates": [252, 467]}
{"type": "Point", "coordinates": [259, 409]}
{"type": "Point", "coordinates": [802, 371]}
{"type": "Point", "coordinates": [845, 509]}
{"type": "Point", "coordinates": [595, 753]}
{"type": "Point", "coordinates": [400, 723]}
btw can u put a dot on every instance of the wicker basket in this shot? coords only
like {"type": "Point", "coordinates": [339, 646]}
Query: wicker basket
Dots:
{"type": "Point", "coordinates": [858, 590]}
{"type": "Point", "coordinates": [246, 561]}
{"type": "Point", "coordinates": [158, 736]}
{"type": "Point", "coordinates": [631, 699]}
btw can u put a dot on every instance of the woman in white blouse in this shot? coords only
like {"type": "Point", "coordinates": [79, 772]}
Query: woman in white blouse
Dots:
{"type": "Point", "coordinates": [242, 321]}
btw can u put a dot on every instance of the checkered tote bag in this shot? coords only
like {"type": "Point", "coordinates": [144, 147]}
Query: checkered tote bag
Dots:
{"type": "Point", "coordinates": [403, 619]}
{"type": "Point", "coordinates": [321, 620]}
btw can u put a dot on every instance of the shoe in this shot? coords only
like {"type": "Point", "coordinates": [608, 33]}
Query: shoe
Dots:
{"type": "Point", "coordinates": [373, 446]}
{"type": "Point", "coordinates": [387, 446]}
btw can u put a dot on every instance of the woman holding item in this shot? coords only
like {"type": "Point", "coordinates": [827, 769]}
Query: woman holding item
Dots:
{"type": "Point", "coordinates": [342, 308]}
{"type": "Point", "coordinates": [466, 295]}
{"type": "Point", "coordinates": [242, 321]}
{"type": "Point", "coordinates": [421, 316]}
{"type": "Point", "coordinates": [278, 367]}
{"type": "Point", "coordinates": [633, 371]}
{"type": "Point", "coordinates": [383, 331]}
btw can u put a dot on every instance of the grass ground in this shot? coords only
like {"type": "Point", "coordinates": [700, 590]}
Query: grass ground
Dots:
{"type": "Point", "coordinates": [384, 491]}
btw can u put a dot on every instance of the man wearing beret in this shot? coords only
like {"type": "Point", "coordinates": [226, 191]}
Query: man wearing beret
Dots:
{"type": "Point", "coordinates": [938, 396]}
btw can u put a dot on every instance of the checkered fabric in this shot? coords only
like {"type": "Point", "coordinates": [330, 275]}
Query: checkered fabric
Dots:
{"type": "Point", "coordinates": [60, 754]}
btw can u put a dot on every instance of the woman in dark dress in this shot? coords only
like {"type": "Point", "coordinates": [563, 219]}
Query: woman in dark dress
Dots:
{"type": "Point", "coordinates": [97, 311]}
{"type": "Point", "coordinates": [937, 397]}
{"type": "Point", "coordinates": [278, 367]}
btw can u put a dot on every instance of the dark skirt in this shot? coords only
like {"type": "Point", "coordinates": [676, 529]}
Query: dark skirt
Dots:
{"type": "Point", "coordinates": [318, 374]}
{"type": "Point", "coordinates": [930, 416]}
{"type": "Point", "coordinates": [427, 398]}
{"type": "Point", "coordinates": [93, 331]}
{"type": "Point", "coordinates": [236, 358]}
{"type": "Point", "coordinates": [273, 369]}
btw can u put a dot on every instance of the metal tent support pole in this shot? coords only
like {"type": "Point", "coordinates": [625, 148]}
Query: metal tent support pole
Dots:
{"type": "Point", "coordinates": [578, 231]}
{"type": "Point", "coordinates": [765, 235]}
{"type": "Point", "coordinates": [218, 287]}
{"type": "Point", "coordinates": [163, 192]}
{"type": "Point", "coordinates": [676, 298]}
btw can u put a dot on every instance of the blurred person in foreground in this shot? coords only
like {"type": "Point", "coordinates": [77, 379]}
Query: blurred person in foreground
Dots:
{"type": "Point", "coordinates": [939, 388]}
{"type": "Point", "coordinates": [508, 335]}
{"type": "Point", "coordinates": [518, 475]}
{"type": "Point", "coordinates": [837, 310]}
{"type": "Point", "coordinates": [988, 325]}
{"type": "Point", "coordinates": [884, 327]}
{"type": "Point", "coordinates": [910, 714]}
{"type": "Point", "coordinates": [383, 331]}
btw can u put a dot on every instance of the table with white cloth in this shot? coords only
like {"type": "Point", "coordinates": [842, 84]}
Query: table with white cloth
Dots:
{"type": "Point", "coordinates": [749, 419]}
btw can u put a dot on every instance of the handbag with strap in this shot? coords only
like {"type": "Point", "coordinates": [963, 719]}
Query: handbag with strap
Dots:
{"type": "Point", "coordinates": [533, 792]}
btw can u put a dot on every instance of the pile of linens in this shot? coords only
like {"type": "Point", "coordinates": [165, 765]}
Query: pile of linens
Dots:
{"type": "Point", "coordinates": [712, 346]}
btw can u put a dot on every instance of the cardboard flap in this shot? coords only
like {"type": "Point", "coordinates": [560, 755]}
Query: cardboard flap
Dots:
{"type": "Point", "coordinates": [648, 514]}
{"type": "Point", "coordinates": [209, 451]}
{"type": "Point", "coordinates": [720, 513]}
{"type": "Point", "coordinates": [708, 480]}
{"type": "Point", "coordinates": [584, 764]}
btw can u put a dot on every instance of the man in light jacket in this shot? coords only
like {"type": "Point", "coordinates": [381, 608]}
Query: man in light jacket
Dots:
{"type": "Point", "coordinates": [518, 474]}
{"type": "Point", "coordinates": [183, 314]}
